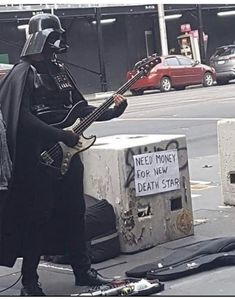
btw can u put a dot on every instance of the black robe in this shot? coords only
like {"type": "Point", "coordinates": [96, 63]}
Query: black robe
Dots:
{"type": "Point", "coordinates": [11, 91]}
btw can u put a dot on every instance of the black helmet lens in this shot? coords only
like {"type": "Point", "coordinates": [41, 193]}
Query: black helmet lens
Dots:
{"type": "Point", "coordinates": [57, 42]}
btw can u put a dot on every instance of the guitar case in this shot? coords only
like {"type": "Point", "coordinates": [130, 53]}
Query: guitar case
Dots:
{"type": "Point", "coordinates": [103, 240]}
{"type": "Point", "coordinates": [102, 236]}
{"type": "Point", "coordinates": [193, 258]}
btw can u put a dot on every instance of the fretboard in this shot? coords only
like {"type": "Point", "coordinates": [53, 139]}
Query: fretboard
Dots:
{"type": "Point", "coordinates": [94, 115]}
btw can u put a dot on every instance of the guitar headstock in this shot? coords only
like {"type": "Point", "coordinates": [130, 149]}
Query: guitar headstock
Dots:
{"type": "Point", "coordinates": [145, 65]}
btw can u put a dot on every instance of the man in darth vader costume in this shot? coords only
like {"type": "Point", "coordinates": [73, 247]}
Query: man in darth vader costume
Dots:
{"type": "Point", "coordinates": [44, 215]}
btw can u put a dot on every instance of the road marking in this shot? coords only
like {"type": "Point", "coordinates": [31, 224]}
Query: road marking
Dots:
{"type": "Point", "coordinates": [200, 185]}
{"type": "Point", "coordinates": [46, 265]}
{"type": "Point", "coordinates": [200, 182]}
{"type": "Point", "coordinates": [200, 221]}
{"type": "Point", "coordinates": [224, 207]}
{"type": "Point", "coordinates": [195, 195]}
{"type": "Point", "coordinates": [171, 118]}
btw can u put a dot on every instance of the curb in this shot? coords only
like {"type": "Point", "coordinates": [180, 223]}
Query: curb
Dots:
{"type": "Point", "coordinates": [100, 95]}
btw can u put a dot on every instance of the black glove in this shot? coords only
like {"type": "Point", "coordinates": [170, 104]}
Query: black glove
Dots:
{"type": "Point", "coordinates": [69, 138]}
{"type": "Point", "coordinates": [118, 110]}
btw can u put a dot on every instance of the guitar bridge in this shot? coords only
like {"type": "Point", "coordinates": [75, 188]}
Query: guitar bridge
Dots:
{"type": "Point", "coordinates": [46, 158]}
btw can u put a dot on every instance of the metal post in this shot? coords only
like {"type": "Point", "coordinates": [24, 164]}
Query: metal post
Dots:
{"type": "Point", "coordinates": [162, 27]}
{"type": "Point", "coordinates": [200, 34]}
{"type": "Point", "coordinates": [101, 50]}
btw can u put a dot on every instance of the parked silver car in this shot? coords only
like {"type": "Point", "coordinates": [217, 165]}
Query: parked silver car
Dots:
{"type": "Point", "coordinates": [223, 61]}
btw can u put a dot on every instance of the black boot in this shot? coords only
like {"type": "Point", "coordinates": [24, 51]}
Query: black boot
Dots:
{"type": "Point", "coordinates": [90, 277]}
{"type": "Point", "coordinates": [32, 289]}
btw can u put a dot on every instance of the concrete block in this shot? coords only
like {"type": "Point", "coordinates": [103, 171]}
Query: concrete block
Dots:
{"type": "Point", "coordinates": [143, 220]}
{"type": "Point", "coordinates": [226, 152]}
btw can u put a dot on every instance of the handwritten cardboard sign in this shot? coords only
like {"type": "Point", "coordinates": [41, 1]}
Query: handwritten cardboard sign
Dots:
{"type": "Point", "coordinates": [156, 172]}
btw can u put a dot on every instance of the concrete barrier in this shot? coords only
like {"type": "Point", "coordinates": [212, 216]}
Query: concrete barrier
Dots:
{"type": "Point", "coordinates": [146, 179]}
{"type": "Point", "coordinates": [226, 152]}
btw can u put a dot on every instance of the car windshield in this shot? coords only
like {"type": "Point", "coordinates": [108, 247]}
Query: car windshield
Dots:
{"type": "Point", "coordinates": [171, 61]}
{"type": "Point", "coordinates": [186, 61]}
{"type": "Point", "coordinates": [224, 51]}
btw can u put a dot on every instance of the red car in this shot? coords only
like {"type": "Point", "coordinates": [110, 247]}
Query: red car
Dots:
{"type": "Point", "coordinates": [174, 71]}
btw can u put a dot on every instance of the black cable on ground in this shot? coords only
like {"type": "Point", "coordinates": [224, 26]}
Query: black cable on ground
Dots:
{"type": "Point", "coordinates": [1, 291]}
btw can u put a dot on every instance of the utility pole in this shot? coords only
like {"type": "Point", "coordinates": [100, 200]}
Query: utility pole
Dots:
{"type": "Point", "coordinates": [200, 34]}
{"type": "Point", "coordinates": [103, 80]}
{"type": "Point", "coordinates": [162, 27]}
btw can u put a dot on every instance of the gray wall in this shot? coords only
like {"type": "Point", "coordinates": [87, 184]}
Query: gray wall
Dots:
{"type": "Point", "coordinates": [123, 43]}
{"type": "Point", "coordinates": [11, 40]}
{"type": "Point", "coordinates": [83, 52]}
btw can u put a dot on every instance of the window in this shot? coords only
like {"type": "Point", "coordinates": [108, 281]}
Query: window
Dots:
{"type": "Point", "coordinates": [172, 61]}
{"type": "Point", "coordinates": [185, 61]}
{"type": "Point", "coordinates": [224, 51]}
{"type": "Point", "coordinates": [149, 42]}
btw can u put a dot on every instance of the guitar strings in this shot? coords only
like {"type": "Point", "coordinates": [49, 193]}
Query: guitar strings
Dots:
{"type": "Point", "coordinates": [90, 118]}
{"type": "Point", "coordinates": [97, 112]}
{"type": "Point", "coordinates": [79, 129]}
{"type": "Point", "coordinates": [56, 149]}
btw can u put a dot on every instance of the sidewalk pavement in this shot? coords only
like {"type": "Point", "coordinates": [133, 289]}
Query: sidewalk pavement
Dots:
{"type": "Point", "coordinates": [98, 95]}
{"type": "Point", "coordinates": [211, 219]}
{"type": "Point", "coordinates": [102, 95]}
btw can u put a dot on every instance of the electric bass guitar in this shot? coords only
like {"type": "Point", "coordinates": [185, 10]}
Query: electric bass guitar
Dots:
{"type": "Point", "coordinates": [58, 157]}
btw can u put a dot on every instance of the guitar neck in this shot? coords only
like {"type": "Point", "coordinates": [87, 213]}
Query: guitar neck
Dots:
{"type": "Point", "coordinates": [87, 121]}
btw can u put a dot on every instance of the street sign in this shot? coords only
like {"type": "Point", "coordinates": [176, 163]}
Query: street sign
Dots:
{"type": "Point", "coordinates": [185, 28]}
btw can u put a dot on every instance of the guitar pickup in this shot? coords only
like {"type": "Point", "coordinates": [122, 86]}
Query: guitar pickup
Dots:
{"type": "Point", "coordinates": [46, 158]}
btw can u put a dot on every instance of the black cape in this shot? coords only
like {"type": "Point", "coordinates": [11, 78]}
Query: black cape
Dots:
{"type": "Point", "coordinates": [11, 91]}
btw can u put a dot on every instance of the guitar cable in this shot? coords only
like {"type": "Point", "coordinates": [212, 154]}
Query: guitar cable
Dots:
{"type": "Point", "coordinates": [3, 290]}
{"type": "Point", "coordinates": [79, 67]}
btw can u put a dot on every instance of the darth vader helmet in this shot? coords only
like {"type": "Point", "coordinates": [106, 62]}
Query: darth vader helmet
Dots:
{"type": "Point", "coordinates": [45, 35]}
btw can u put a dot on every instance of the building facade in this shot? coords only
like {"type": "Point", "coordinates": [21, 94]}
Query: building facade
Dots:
{"type": "Point", "coordinates": [101, 53]}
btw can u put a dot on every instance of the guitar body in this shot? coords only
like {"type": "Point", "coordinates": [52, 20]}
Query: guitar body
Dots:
{"type": "Point", "coordinates": [68, 152]}
{"type": "Point", "coordinates": [59, 163]}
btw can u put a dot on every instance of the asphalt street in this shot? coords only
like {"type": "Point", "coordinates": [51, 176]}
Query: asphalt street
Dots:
{"type": "Point", "coordinates": [193, 112]}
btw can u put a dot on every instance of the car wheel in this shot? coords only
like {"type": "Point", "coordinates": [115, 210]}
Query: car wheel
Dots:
{"type": "Point", "coordinates": [179, 87]}
{"type": "Point", "coordinates": [138, 92]}
{"type": "Point", "coordinates": [207, 80]}
{"type": "Point", "coordinates": [221, 82]}
{"type": "Point", "coordinates": [165, 84]}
